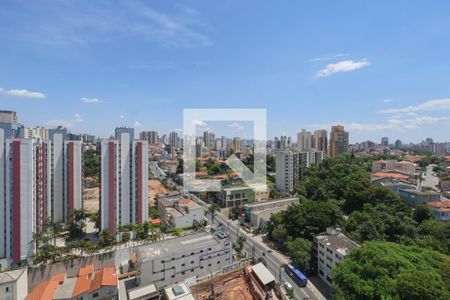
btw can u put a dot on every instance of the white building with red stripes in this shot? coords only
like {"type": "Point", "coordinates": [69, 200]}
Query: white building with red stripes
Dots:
{"type": "Point", "coordinates": [29, 177]}
{"type": "Point", "coordinates": [124, 176]}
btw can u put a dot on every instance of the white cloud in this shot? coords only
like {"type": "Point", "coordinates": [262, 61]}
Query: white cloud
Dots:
{"type": "Point", "coordinates": [387, 100]}
{"type": "Point", "coordinates": [396, 123]}
{"type": "Point", "coordinates": [23, 93]}
{"type": "Point", "coordinates": [91, 100]}
{"type": "Point", "coordinates": [425, 106]}
{"type": "Point", "coordinates": [66, 122]}
{"type": "Point", "coordinates": [77, 118]}
{"type": "Point", "coordinates": [137, 124]}
{"type": "Point", "coordinates": [236, 126]}
{"type": "Point", "coordinates": [69, 25]}
{"type": "Point", "coordinates": [122, 117]}
{"type": "Point", "coordinates": [199, 123]}
{"type": "Point", "coordinates": [342, 66]}
{"type": "Point", "coordinates": [328, 56]}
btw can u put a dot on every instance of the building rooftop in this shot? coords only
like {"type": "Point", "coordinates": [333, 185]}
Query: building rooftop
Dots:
{"type": "Point", "coordinates": [263, 274]}
{"type": "Point", "coordinates": [338, 241]}
{"type": "Point", "coordinates": [390, 175]}
{"type": "Point", "coordinates": [11, 276]}
{"type": "Point", "coordinates": [175, 246]}
{"type": "Point", "coordinates": [60, 287]}
{"type": "Point", "coordinates": [420, 193]}
{"type": "Point", "coordinates": [279, 201]}
{"type": "Point", "coordinates": [139, 292]}
{"type": "Point", "coordinates": [179, 291]}
{"type": "Point", "coordinates": [266, 213]}
{"type": "Point", "coordinates": [173, 212]}
{"type": "Point", "coordinates": [235, 188]}
{"type": "Point", "coordinates": [441, 206]}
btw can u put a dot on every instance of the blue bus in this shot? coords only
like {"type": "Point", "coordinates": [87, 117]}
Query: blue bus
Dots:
{"type": "Point", "coordinates": [298, 277]}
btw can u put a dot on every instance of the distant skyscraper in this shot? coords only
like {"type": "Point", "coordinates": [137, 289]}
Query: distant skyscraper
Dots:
{"type": "Point", "coordinates": [41, 133]}
{"type": "Point", "coordinates": [398, 144]}
{"type": "Point", "coordinates": [8, 122]}
{"type": "Point", "coordinates": [124, 176]}
{"type": "Point", "coordinates": [338, 140]}
{"type": "Point", "coordinates": [209, 139]}
{"type": "Point", "coordinates": [151, 136]}
{"type": "Point", "coordinates": [284, 142]}
{"type": "Point", "coordinates": [304, 140]}
{"type": "Point", "coordinates": [276, 143]}
{"type": "Point", "coordinates": [163, 139]}
{"type": "Point", "coordinates": [385, 141]}
{"type": "Point", "coordinates": [237, 144]}
{"type": "Point", "coordinates": [174, 140]}
{"type": "Point", "coordinates": [290, 165]}
{"type": "Point", "coordinates": [119, 130]}
{"type": "Point", "coordinates": [321, 140]}
{"type": "Point", "coordinates": [285, 168]}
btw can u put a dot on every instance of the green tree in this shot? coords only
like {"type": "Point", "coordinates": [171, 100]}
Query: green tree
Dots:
{"type": "Point", "coordinates": [178, 232]}
{"type": "Point", "coordinates": [106, 239]}
{"type": "Point", "coordinates": [212, 210]}
{"type": "Point", "coordinates": [125, 237]}
{"type": "Point", "coordinates": [422, 212]}
{"type": "Point", "coordinates": [95, 218]}
{"type": "Point", "coordinates": [300, 251]}
{"type": "Point", "coordinates": [238, 246]}
{"type": "Point", "coordinates": [91, 165]}
{"type": "Point", "coordinates": [380, 270]}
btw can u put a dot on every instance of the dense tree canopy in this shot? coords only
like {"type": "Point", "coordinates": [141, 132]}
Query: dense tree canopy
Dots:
{"type": "Point", "coordinates": [384, 270]}
{"type": "Point", "coordinates": [302, 220]}
{"type": "Point", "coordinates": [91, 164]}
{"type": "Point", "coordinates": [339, 193]}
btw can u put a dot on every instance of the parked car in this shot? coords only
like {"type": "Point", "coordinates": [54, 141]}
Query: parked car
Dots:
{"type": "Point", "coordinates": [287, 286]}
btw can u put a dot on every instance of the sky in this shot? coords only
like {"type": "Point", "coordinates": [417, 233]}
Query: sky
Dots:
{"type": "Point", "coordinates": [380, 68]}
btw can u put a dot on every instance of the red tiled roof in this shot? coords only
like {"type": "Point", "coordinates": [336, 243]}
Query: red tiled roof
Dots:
{"type": "Point", "coordinates": [86, 270]}
{"type": "Point", "coordinates": [439, 203]}
{"type": "Point", "coordinates": [202, 173]}
{"type": "Point", "coordinates": [155, 221]}
{"type": "Point", "coordinates": [96, 282]}
{"type": "Point", "coordinates": [109, 277]}
{"type": "Point", "coordinates": [82, 285]}
{"type": "Point", "coordinates": [185, 201]}
{"type": "Point", "coordinates": [46, 289]}
{"type": "Point", "coordinates": [389, 175]}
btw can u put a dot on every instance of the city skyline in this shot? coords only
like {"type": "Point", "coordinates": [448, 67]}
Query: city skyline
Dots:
{"type": "Point", "coordinates": [79, 67]}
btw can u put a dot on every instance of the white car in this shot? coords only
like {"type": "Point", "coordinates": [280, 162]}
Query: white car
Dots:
{"type": "Point", "coordinates": [287, 286]}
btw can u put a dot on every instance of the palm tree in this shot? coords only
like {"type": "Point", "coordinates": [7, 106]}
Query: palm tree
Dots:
{"type": "Point", "coordinates": [212, 209]}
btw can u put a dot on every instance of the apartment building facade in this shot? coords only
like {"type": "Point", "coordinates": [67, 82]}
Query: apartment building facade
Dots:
{"type": "Point", "coordinates": [28, 181]}
{"type": "Point", "coordinates": [290, 165]}
{"type": "Point", "coordinates": [320, 140]}
{"type": "Point", "coordinates": [330, 249]}
{"type": "Point", "coordinates": [172, 261]}
{"type": "Point", "coordinates": [339, 140]}
{"type": "Point", "coordinates": [179, 212]}
{"type": "Point", "coordinates": [124, 177]}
